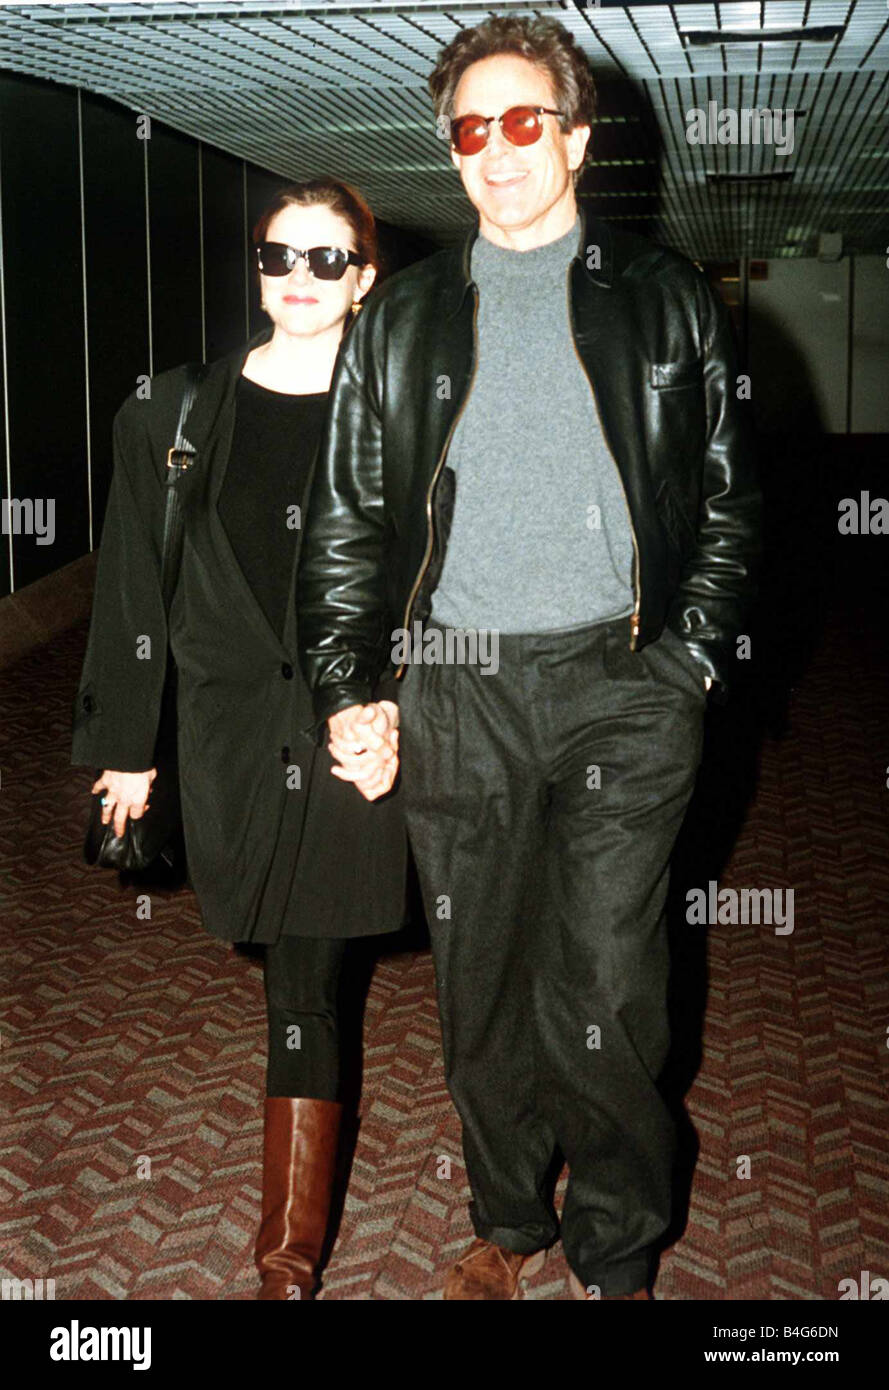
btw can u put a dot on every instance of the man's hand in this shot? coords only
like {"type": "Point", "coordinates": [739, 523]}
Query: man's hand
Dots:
{"type": "Point", "coordinates": [364, 739]}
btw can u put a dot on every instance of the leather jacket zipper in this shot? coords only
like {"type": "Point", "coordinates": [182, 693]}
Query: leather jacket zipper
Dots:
{"type": "Point", "coordinates": [438, 467]}
{"type": "Point", "coordinates": [637, 596]}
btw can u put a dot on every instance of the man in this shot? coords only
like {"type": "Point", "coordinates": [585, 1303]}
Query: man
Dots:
{"type": "Point", "coordinates": [536, 435]}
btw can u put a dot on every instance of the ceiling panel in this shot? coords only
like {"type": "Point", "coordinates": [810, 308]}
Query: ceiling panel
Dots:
{"type": "Point", "coordinates": [331, 87]}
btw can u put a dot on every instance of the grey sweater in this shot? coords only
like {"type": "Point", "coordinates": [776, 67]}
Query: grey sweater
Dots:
{"type": "Point", "coordinates": [541, 533]}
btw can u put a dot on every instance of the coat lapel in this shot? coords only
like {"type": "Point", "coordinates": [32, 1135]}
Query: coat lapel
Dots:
{"type": "Point", "coordinates": [210, 429]}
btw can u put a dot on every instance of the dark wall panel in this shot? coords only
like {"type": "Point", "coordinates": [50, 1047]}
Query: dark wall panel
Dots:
{"type": "Point", "coordinates": [4, 540]}
{"type": "Point", "coordinates": [261, 188]}
{"type": "Point", "coordinates": [44, 317]}
{"type": "Point", "coordinates": [117, 276]}
{"type": "Point", "coordinates": [399, 249]}
{"type": "Point", "coordinates": [51, 442]}
{"type": "Point", "coordinates": [224, 259]}
{"type": "Point", "coordinates": [175, 248]}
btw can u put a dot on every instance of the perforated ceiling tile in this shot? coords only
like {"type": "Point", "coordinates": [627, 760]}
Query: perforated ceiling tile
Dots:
{"type": "Point", "coordinates": [331, 86]}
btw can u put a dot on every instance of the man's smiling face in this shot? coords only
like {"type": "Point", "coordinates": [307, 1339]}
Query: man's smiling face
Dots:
{"type": "Point", "coordinates": [524, 194]}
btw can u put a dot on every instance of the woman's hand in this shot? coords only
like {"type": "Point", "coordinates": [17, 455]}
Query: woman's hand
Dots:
{"type": "Point", "coordinates": [364, 739]}
{"type": "Point", "coordinates": [125, 794]}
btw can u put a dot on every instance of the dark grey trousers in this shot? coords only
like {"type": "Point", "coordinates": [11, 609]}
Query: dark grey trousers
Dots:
{"type": "Point", "coordinates": [543, 803]}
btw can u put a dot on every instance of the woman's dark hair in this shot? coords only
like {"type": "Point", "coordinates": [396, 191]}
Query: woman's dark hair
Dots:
{"type": "Point", "coordinates": [340, 197]}
{"type": "Point", "coordinates": [544, 42]}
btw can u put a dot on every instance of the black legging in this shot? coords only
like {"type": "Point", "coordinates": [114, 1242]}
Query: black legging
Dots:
{"type": "Point", "coordinates": [302, 976]}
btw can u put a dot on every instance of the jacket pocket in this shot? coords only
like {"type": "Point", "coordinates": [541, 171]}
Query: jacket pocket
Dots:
{"type": "Point", "coordinates": [86, 706]}
{"type": "Point", "coordinates": [674, 519]}
{"type": "Point", "coordinates": [667, 376]}
{"type": "Point", "coordinates": [682, 654]}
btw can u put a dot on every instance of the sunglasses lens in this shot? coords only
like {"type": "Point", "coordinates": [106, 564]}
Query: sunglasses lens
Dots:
{"type": "Point", "coordinates": [469, 134]}
{"type": "Point", "coordinates": [328, 262]}
{"type": "Point", "coordinates": [521, 125]}
{"type": "Point", "coordinates": [274, 258]}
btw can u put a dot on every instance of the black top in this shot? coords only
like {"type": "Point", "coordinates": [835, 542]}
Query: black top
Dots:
{"type": "Point", "coordinates": [276, 436]}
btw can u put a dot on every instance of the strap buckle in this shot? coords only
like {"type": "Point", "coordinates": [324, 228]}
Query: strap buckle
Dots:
{"type": "Point", "coordinates": [180, 459]}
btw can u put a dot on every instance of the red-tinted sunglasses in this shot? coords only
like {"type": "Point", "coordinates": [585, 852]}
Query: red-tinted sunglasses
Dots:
{"type": "Point", "coordinates": [521, 125]}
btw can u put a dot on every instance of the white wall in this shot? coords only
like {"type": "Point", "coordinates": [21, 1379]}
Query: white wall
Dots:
{"type": "Point", "coordinates": [870, 356]}
{"type": "Point", "coordinates": [799, 322]}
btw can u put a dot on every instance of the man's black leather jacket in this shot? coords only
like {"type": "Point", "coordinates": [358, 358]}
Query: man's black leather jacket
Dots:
{"type": "Point", "coordinates": [657, 346]}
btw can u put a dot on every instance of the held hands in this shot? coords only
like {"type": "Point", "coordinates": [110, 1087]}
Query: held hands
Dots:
{"type": "Point", "coordinates": [364, 739]}
{"type": "Point", "coordinates": [125, 794]}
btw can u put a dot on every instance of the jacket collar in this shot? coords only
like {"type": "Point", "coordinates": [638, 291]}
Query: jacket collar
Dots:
{"type": "Point", "coordinates": [217, 389]}
{"type": "Point", "coordinates": [593, 232]}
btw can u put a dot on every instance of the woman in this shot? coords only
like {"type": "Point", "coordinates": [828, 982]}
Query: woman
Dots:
{"type": "Point", "coordinates": [280, 851]}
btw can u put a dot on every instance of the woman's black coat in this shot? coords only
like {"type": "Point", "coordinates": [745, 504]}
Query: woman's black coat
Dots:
{"type": "Point", "coordinates": [275, 843]}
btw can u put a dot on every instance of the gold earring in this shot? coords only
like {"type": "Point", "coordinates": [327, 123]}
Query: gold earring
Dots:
{"type": "Point", "coordinates": [356, 305]}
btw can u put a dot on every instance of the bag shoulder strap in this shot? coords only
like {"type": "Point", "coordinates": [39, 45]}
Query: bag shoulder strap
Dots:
{"type": "Point", "coordinates": [180, 458]}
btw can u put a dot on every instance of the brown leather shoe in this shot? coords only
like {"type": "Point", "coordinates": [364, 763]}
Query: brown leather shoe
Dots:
{"type": "Point", "coordinates": [298, 1163]}
{"type": "Point", "coordinates": [489, 1271]}
{"type": "Point", "coordinates": [578, 1291]}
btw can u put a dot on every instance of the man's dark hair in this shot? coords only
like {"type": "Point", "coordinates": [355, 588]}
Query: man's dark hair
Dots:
{"type": "Point", "coordinates": [544, 42]}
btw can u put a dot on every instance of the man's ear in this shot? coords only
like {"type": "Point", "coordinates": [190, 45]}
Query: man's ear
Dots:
{"type": "Point", "coordinates": [576, 141]}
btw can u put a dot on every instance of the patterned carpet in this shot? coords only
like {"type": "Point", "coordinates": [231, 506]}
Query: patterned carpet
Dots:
{"type": "Point", "coordinates": [133, 1051]}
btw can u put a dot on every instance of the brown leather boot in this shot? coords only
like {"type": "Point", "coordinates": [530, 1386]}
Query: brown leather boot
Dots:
{"type": "Point", "coordinates": [578, 1291]}
{"type": "Point", "coordinates": [489, 1271]}
{"type": "Point", "coordinates": [298, 1164]}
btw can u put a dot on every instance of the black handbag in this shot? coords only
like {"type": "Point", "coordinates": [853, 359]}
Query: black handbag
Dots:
{"type": "Point", "coordinates": [155, 840]}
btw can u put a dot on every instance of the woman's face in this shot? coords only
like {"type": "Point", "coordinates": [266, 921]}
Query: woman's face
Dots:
{"type": "Point", "coordinates": [298, 303]}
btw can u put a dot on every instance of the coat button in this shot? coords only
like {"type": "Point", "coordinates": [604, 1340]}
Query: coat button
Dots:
{"type": "Point", "coordinates": [287, 670]}
{"type": "Point", "coordinates": [285, 753]}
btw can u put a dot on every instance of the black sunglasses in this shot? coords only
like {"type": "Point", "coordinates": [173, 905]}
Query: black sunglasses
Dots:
{"type": "Point", "coordinates": [325, 262]}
